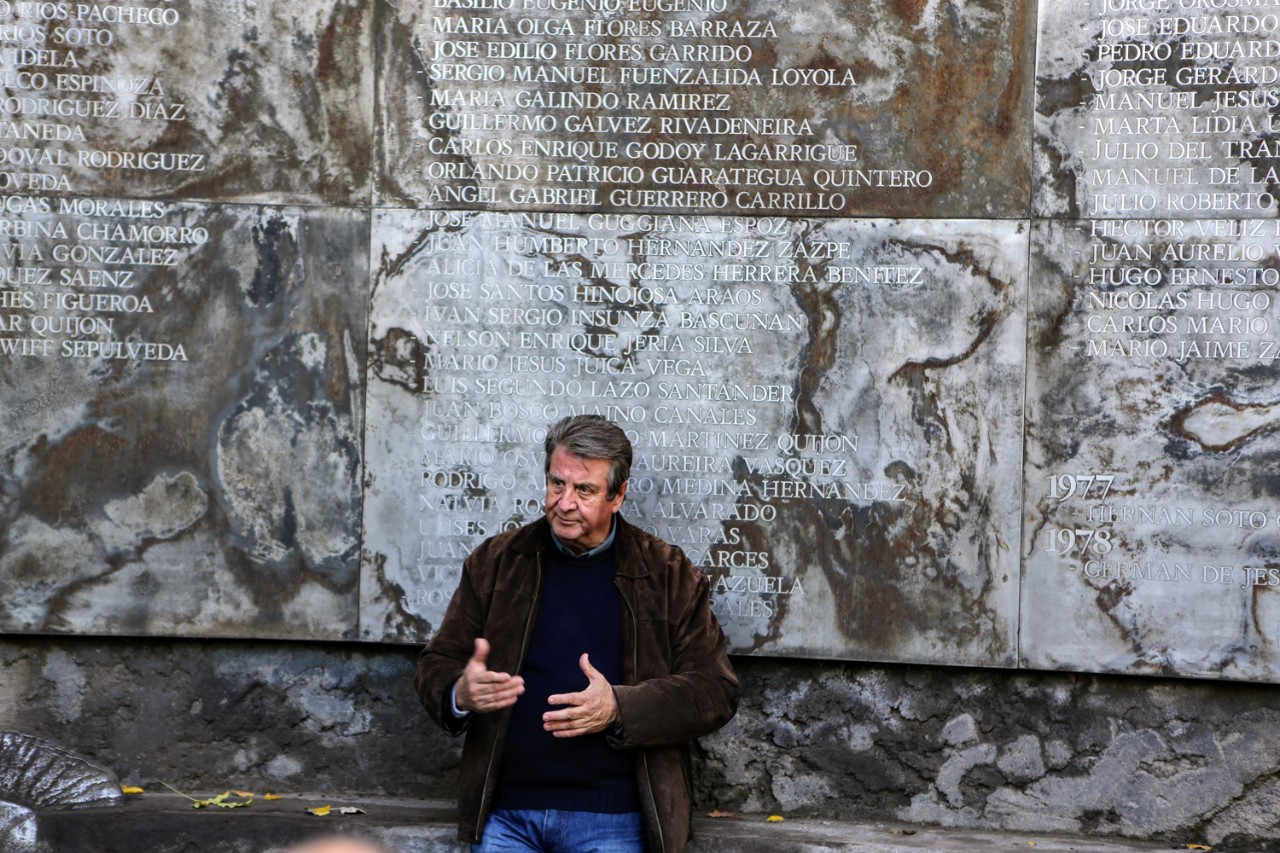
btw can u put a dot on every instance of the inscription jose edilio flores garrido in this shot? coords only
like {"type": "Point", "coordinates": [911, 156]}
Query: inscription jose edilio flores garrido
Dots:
{"type": "Point", "coordinates": [628, 104]}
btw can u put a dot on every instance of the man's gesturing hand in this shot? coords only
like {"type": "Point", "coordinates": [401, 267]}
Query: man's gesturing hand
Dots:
{"type": "Point", "coordinates": [591, 710]}
{"type": "Point", "coordinates": [481, 690]}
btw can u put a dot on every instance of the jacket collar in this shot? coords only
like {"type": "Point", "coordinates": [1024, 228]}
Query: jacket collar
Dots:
{"type": "Point", "coordinates": [590, 552]}
{"type": "Point", "coordinates": [532, 539]}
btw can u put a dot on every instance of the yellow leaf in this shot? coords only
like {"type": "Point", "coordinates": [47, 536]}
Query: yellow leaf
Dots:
{"type": "Point", "coordinates": [1198, 847]}
{"type": "Point", "coordinates": [243, 793]}
{"type": "Point", "coordinates": [270, 796]}
{"type": "Point", "coordinates": [775, 818]}
{"type": "Point", "coordinates": [319, 811]}
{"type": "Point", "coordinates": [221, 801]}
{"type": "Point", "coordinates": [240, 804]}
{"type": "Point", "coordinates": [131, 789]}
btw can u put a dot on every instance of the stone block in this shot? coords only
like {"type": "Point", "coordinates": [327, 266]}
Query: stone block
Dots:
{"type": "Point", "coordinates": [809, 427]}
{"type": "Point", "coordinates": [180, 439]}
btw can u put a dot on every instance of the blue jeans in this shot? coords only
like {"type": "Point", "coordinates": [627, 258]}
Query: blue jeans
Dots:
{"type": "Point", "coordinates": [556, 831]}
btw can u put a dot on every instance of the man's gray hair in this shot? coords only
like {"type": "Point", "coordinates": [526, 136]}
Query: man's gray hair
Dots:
{"type": "Point", "coordinates": [592, 437]}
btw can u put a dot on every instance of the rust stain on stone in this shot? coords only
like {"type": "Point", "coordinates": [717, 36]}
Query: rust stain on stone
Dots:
{"type": "Point", "coordinates": [909, 11]}
{"type": "Point", "coordinates": [339, 67]}
{"type": "Point", "coordinates": [956, 144]}
{"type": "Point", "coordinates": [821, 307]}
{"type": "Point", "coordinates": [400, 359]}
{"type": "Point", "coordinates": [398, 623]}
{"type": "Point", "coordinates": [59, 493]}
{"type": "Point", "coordinates": [1179, 422]}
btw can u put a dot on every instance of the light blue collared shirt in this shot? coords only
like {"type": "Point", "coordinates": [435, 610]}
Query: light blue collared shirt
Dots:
{"type": "Point", "coordinates": [608, 541]}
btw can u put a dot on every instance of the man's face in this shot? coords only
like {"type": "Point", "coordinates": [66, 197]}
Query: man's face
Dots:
{"type": "Point", "coordinates": [577, 504]}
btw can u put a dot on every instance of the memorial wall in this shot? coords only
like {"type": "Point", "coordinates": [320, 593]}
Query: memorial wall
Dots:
{"type": "Point", "coordinates": [945, 333]}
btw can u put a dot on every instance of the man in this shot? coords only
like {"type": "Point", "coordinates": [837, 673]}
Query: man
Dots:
{"type": "Point", "coordinates": [580, 656]}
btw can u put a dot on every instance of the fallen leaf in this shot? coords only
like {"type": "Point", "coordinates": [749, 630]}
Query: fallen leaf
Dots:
{"type": "Point", "coordinates": [720, 813]}
{"type": "Point", "coordinates": [320, 811]}
{"type": "Point", "coordinates": [775, 818]}
{"type": "Point", "coordinates": [131, 789]}
{"type": "Point", "coordinates": [243, 793]}
{"type": "Point", "coordinates": [270, 796]}
{"type": "Point", "coordinates": [1198, 847]}
{"type": "Point", "coordinates": [222, 801]}
{"type": "Point", "coordinates": [241, 804]}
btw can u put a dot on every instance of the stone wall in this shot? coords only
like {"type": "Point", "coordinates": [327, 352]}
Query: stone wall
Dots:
{"type": "Point", "coordinates": [1035, 752]}
{"type": "Point", "coordinates": [944, 332]}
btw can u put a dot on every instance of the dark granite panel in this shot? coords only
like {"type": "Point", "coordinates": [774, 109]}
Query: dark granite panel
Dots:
{"type": "Point", "coordinates": [249, 101]}
{"type": "Point", "coordinates": [180, 433]}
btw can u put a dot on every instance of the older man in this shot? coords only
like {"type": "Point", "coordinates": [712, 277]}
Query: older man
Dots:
{"type": "Point", "coordinates": [580, 656]}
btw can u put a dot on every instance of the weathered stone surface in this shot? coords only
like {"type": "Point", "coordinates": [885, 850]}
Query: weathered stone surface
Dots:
{"type": "Point", "coordinates": [220, 492]}
{"type": "Point", "coordinates": [180, 430]}
{"type": "Point", "coordinates": [253, 716]}
{"type": "Point", "coordinates": [897, 109]}
{"type": "Point", "coordinates": [189, 100]}
{"type": "Point", "coordinates": [1141, 759]}
{"type": "Point", "coordinates": [39, 774]}
{"type": "Point", "coordinates": [1151, 532]}
{"type": "Point", "coordinates": [1029, 752]}
{"type": "Point", "coordinates": [815, 439]}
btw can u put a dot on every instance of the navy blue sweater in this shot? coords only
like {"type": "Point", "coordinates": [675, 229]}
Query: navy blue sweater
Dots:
{"type": "Point", "coordinates": [580, 611]}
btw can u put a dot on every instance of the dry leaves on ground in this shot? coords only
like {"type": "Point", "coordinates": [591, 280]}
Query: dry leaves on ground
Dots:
{"type": "Point", "coordinates": [322, 811]}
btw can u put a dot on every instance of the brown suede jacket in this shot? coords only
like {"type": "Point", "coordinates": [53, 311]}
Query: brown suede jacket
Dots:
{"type": "Point", "coordinates": [679, 683]}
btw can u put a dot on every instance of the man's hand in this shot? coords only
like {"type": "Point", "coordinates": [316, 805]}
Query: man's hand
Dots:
{"type": "Point", "coordinates": [591, 710]}
{"type": "Point", "coordinates": [481, 690]}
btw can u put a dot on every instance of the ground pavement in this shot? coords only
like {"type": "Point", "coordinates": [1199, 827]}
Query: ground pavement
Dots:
{"type": "Point", "coordinates": [167, 823]}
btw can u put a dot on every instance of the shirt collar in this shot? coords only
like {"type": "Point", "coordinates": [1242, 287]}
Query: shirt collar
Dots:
{"type": "Point", "coordinates": [603, 546]}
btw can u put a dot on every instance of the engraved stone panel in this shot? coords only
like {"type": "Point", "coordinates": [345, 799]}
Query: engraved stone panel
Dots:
{"type": "Point", "coordinates": [180, 432]}
{"type": "Point", "coordinates": [647, 209]}
{"type": "Point", "coordinates": [1158, 108]}
{"type": "Point", "coordinates": [836, 107]}
{"type": "Point", "coordinates": [820, 438]}
{"type": "Point", "coordinates": [1152, 540]}
{"type": "Point", "coordinates": [180, 99]}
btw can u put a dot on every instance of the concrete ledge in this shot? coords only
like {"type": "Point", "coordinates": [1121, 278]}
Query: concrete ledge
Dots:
{"type": "Point", "coordinates": [754, 835]}
{"type": "Point", "coordinates": [166, 823]}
